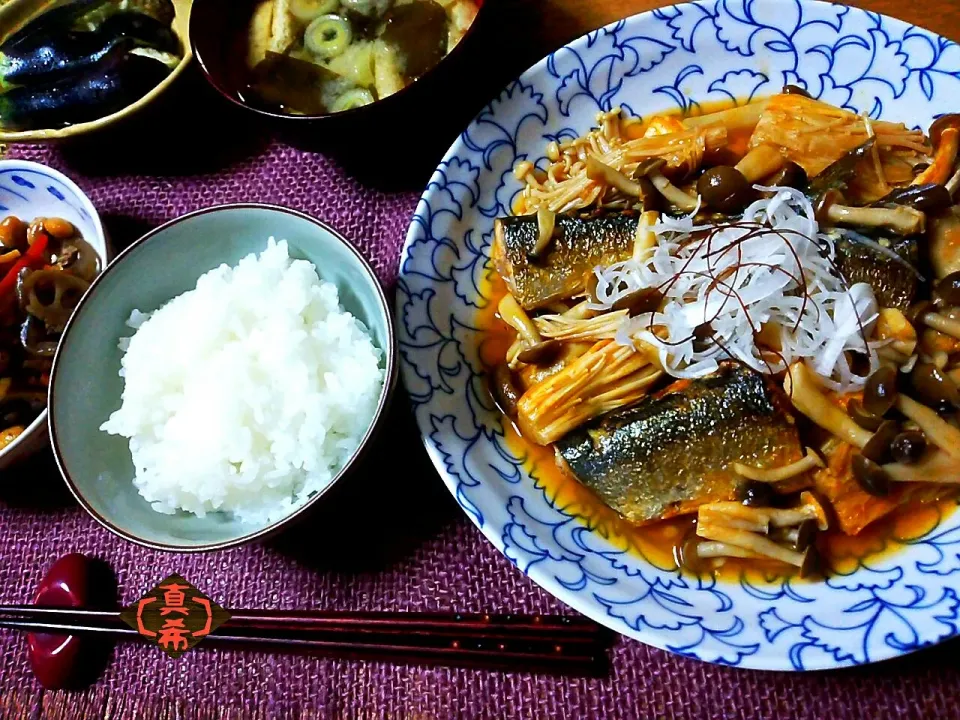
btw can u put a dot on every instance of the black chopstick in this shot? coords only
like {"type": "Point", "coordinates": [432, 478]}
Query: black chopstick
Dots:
{"type": "Point", "coordinates": [485, 625]}
{"type": "Point", "coordinates": [506, 642]}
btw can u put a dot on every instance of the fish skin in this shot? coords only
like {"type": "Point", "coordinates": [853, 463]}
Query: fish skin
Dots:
{"type": "Point", "coordinates": [672, 452]}
{"type": "Point", "coordinates": [894, 285]}
{"type": "Point", "coordinates": [580, 243]}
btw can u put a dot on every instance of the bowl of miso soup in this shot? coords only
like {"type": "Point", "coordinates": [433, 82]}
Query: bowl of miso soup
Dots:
{"type": "Point", "coordinates": [308, 59]}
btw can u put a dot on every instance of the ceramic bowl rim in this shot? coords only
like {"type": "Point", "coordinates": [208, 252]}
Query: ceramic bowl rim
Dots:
{"type": "Point", "coordinates": [386, 393]}
{"type": "Point", "coordinates": [37, 424]}
{"type": "Point", "coordinates": [457, 50]}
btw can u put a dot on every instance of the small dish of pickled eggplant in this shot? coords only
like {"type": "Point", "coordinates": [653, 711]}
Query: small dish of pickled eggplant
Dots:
{"type": "Point", "coordinates": [85, 64]}
{"type": "Point", "coordinates": [318, 57]}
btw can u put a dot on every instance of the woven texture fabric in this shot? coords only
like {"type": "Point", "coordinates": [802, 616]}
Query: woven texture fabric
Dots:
{"type": "Point", "coordinates": [391, 538]}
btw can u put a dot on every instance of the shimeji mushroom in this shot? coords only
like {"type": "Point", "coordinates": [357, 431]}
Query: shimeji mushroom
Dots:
{"type": "Point", "coordinates": [948, 290]}
{"type": "Point", "coordinates": [516, 317]}
{"type": "Point", "coordinates": [892, 355]}
{"type": "Point", "coordinates": [640, 186]}
{"type": "Point", "coordinates": [603, 173]}
{"type": "Point", "coordinates": [724, 188]}
{"type": "Point", "coordinates": [931, 385]}
{"type": "Point", "coordinates": [808, 462]}
{"type": "Point", "coordinates": [800, 537]}
{"type": "Point", "coordinates": [546, 224]}
{"type": "Point", "coordinates": [735, 516]}
{"type": "Point", "coordinates": [938, 431]}
{"type": "Point", "coordinates": [901, 219]}
{"type": "Point", "coordinates": [761, 519]}
{"type": "Point", "coordinates": [714, 549]}
{"type": "Point", "coordinates": [732, 514]}
{"type": "Point", "coordinates": [809, 509]}
{"type": "Point", "coordinates": [760, 162]}
{"type": "Point", "coordinates": [923, 313]}
{"type": "Point", "coordinates": [936, 467]}
{"type": "Point", "coordinates": [929, 198]}
{"type": "Point", "coordinates": [528, 337]}
{"type": "Point", "coordinates": [652, 170]}
{"type": "Point", "coordinates": [942, 323]}
{"type": "Point", "coordinates": [760, 545]}
{"type": "Point", "coordinates": [806, 396]}
{"type": "Point", "coordinates": [945, 137]}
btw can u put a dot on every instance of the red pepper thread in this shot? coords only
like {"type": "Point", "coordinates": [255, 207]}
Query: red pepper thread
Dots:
{"type": "Point", "coordinates": [33, 256]}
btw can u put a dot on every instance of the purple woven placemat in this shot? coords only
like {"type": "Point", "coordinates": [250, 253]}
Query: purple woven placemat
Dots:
{"type": "Point", "coordinates": [391, 538]}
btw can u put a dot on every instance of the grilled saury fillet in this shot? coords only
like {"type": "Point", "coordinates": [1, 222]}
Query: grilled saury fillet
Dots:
{"type": "Point", "coordinates": [672, 452]}
{"type": "Point", "coordinates": [579, 244]}
{"type": "Point", "coordinates": [894, 282]}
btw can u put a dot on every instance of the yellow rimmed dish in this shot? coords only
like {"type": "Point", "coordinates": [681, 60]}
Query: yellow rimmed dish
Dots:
{"type": "Point", "coordinates": [15, 14]}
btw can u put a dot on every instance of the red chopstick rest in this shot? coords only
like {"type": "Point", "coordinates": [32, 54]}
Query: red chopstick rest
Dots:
{"type": "Point", "coordinates": [55, 658]}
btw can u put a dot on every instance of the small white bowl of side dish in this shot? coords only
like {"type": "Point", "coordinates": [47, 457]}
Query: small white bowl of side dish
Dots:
{"type": "Point", "coordinates": [219, 431]}
{"type": "Point", "coordinates": [29, 190]}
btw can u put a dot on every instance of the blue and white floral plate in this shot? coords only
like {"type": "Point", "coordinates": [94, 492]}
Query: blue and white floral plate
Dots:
{"type": "Point", "coordinates": [675, 57]}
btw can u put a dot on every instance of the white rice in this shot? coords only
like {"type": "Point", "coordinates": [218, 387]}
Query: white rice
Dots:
{"type": "Point", "coordinates": [249, 393]}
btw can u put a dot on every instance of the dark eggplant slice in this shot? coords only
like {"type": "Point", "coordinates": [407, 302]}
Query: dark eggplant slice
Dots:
{"type": "Point", "coordinates": [105, 89]}
{"type": "Point", "coordinates": [71, 52]}
{"type": "Point", "coordinates": [143, 30]}
{"type": "Point", "coordinates": [929, 197]}
{"type": "Point", "coordinates": [52, 22]}
{"type": "Point", "coordinates": [790, 175]}
{"type": "Point", "coordinates": [836, 175]}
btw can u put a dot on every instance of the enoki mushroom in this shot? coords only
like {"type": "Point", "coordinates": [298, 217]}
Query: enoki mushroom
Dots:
{"type": "Point", "coordinates": [606, 377]}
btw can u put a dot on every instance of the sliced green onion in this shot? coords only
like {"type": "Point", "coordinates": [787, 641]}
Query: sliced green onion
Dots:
{"type": "Point", "coordinates": [351, 99]}
{"type": "Point", "coordinates": [328, 36]}
{"type": "Point", "coordinates": [307, 10]}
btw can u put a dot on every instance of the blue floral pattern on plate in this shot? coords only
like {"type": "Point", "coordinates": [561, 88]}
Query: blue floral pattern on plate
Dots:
{"type": "Point", "coordinates": [676, 57]}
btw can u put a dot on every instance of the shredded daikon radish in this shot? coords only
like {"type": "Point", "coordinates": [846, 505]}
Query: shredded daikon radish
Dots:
{"type": "Point", "coordinates": [721, 282]}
